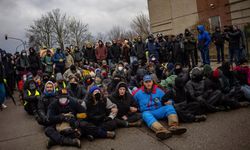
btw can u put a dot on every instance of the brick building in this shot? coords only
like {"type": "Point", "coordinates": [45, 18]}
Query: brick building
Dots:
{"type": "Point", "coordinates": [173, 16]}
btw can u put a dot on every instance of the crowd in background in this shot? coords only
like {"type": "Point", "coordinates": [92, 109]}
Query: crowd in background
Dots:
{"type": "Point", "coordinates": [91, 91]}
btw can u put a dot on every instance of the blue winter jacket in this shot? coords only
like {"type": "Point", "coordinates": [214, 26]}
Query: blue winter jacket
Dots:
{"type": "Point", "coordinates": [204, 38]}
{"type": "Point", "coordinates": [57, 56]}
{"type": "Point", "coordinates": [148, 101]}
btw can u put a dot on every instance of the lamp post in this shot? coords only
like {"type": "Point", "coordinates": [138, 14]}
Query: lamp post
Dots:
{"type": "Point", "coordinates": [13, 38]}
{"type": "Point", "coordinates": [18, 46]}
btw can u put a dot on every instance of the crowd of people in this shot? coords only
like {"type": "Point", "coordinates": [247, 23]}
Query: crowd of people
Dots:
{"type": "Point", "coordinates": [88, 93]}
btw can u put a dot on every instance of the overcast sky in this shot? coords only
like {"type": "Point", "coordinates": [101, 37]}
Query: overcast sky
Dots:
{"type": "Point", "coordinates": [101, 15]}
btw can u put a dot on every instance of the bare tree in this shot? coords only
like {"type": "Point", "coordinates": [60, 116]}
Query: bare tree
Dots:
{"type": "Point", "coordinates": [141, 25]}
{"type": "Point", "coordinates": [101, 36]}
{"type": "Point", "coordinates": [130, 34]}
{"type": "Point", "coordinates": [59, 22]}
{"type": "Point", "coordinates": [116, 33]}
{"type": "Point", "coordinates": [78, 32]}
{"type": "Point", "coordinates": [40, 33]}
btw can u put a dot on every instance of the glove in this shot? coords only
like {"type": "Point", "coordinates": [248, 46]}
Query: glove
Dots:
{"type": "Point", "coordinates": [106, 119]}
{"type": "Point", "coordinates": [74, 123]}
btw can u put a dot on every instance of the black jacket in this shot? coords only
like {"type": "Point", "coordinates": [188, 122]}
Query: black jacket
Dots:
{"type": "Point", "coordinates": [123, 103]}
{"type": "Point", "coordinates": [89, 54]}
{"type": "Point", "coordinates": [43, 104]}
{"type": "Point", "coordinates": [116, 51]}
{"type": "Point", "coordinates": [56, 110]}
{"type": "Point", "coordinates": [34, 61]}
{"type": "Point", "coordinates": [140, 50]}
{"type": "Point", "coordinates": [218, 38]}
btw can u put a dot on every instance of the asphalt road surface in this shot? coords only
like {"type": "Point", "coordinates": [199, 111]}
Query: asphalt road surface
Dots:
{"type": "Point", "coordinates": [222, 131]}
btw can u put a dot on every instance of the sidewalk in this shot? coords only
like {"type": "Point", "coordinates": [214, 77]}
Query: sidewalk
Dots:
{"type": "Point", "coordinates": [222, 131]}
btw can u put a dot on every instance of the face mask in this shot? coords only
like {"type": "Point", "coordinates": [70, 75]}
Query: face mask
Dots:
{"type": "Point", "coordinates": [63, 101]}
{"type": "Point", "coordinates": [73, 85]}
{"type": "Point", "coordinates": [120, 68]}
{"type": "Point", "coordinates": [24, 54]}
{"type": "Point", "coordinates": [177, 71]}
{"type": "Point", "coordinates": [32, 86]}
{"type": "Point", "coordinates": [98, 96]}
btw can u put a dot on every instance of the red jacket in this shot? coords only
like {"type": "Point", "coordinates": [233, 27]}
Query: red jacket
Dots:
{"type": "Point", "coordinates": [101, 53]}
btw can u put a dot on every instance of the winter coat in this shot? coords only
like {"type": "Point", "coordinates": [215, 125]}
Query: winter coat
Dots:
{"type": "Point", "coordinates": [218, 38]}
{"type": "Point", "coordinates": [59, 59]}
{"type": "Point", "coordinates": [69, 61]}
{"type": "Point", "coordinates": [140, 50]}
{"type": "Point", "coordinates": [56, 110]}
{"type": "Point", "coordinates": [78, 56]}
{"type": "Point", "coordinates": [123, 103]}
{"type": "Point", "coordinates": [148, 101]}
{"type": "Point", "coordinates": [34, 61]}
{"type": "Point", "coordinates": [203, 38]}
{"type": "Point", "coordinates": [89, 54]}
{"type": "Point", "coordinates": [101, 53]}
{"type": "Point", "coordinates": [116, 51]}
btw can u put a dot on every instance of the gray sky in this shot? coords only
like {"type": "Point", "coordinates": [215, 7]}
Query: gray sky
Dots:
{"type": "Point", "coordinates": [101, 15]}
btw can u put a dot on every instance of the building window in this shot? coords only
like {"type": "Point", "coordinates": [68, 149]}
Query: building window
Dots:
{"type": "Point", "coordinates": [214, 22]}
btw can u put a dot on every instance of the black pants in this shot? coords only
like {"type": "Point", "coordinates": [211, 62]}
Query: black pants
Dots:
{"type": "Point", "coordinates": [85, 128]}
{"type": "Point", "coordinates": [189, 54]}
{"type": "Point", "coordinates": [187, 111]}
{"type": "Point", "coordinates": [31, 108]}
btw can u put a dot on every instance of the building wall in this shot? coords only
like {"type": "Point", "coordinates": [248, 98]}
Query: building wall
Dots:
{"type": "Point", "coordinates": [172, 16]}
{"type": "Point", "coordinates": [220, 8]}
{"type": "Point", "coordinates": [240, 11]}
{"type": "Point", "coordinates": [184, 15]}
{"type": "Point", "coordinates": [160, 16]}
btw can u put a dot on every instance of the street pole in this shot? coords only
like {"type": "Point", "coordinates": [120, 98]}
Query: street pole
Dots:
{"type": "Point", "coordinates": [8, 37]}
{"type": "Point", "coordinates": [18, 46]}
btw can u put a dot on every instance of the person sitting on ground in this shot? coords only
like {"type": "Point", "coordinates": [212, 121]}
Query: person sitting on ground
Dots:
{"type": "Point", "coordinates": [126, 105]}
{"type": "Point", "coordinates": [149, 99]}
{"type": "Point", "coordinates": [48, 97]}
{"type": "Point", "coordinates": [60, 82]}
{"type": "Point", "coordinates": [72, 71]}
{"type": "Point", "coordinates": [100, 110]}
{"type": "Point", "coordinates": [31, 96]}
{"type": "Point", "coordinates": [76, 91]}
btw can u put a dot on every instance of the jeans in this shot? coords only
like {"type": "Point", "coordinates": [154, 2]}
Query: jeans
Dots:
{"type": "Point", "coordinates": [234, 54]}
{"type": "Point", "coordinates": [205, 55]}
{"type": "Point", "coordinates": [220, 53]}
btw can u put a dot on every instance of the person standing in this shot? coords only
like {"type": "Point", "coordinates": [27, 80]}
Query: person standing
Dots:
{"type": "Point", "coordinates": [203, 44]}
{"type": "Point", "coordinates": [101, 52]}
{"type": "Point", "coordinates": [189, 48]}
{"type": "Point", "coordinates": [218, 39]}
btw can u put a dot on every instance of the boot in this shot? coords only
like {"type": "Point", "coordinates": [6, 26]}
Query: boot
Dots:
{"type": "Point", "coordinates": [111, 134]}
{"type": "Point", "coordinates": [174, 125]}
{"type": "Point", "coordinates": [199, 118]}
{"type": "Point", "coordinates": [244, 104]}
{"type": "Point", "coordinates": [135, 124]}
{"type": "Point", "coordinates": [90, 138]}
{"type": "Point", "coordinates": [50, 143]}
{"type": "Point", "coordinates": [161, 132]}
{"type": "Point", "coordinates": [71, 142]}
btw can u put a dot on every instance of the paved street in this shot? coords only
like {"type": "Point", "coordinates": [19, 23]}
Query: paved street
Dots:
{"type": "Point", "coordinates": [222, 131]}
